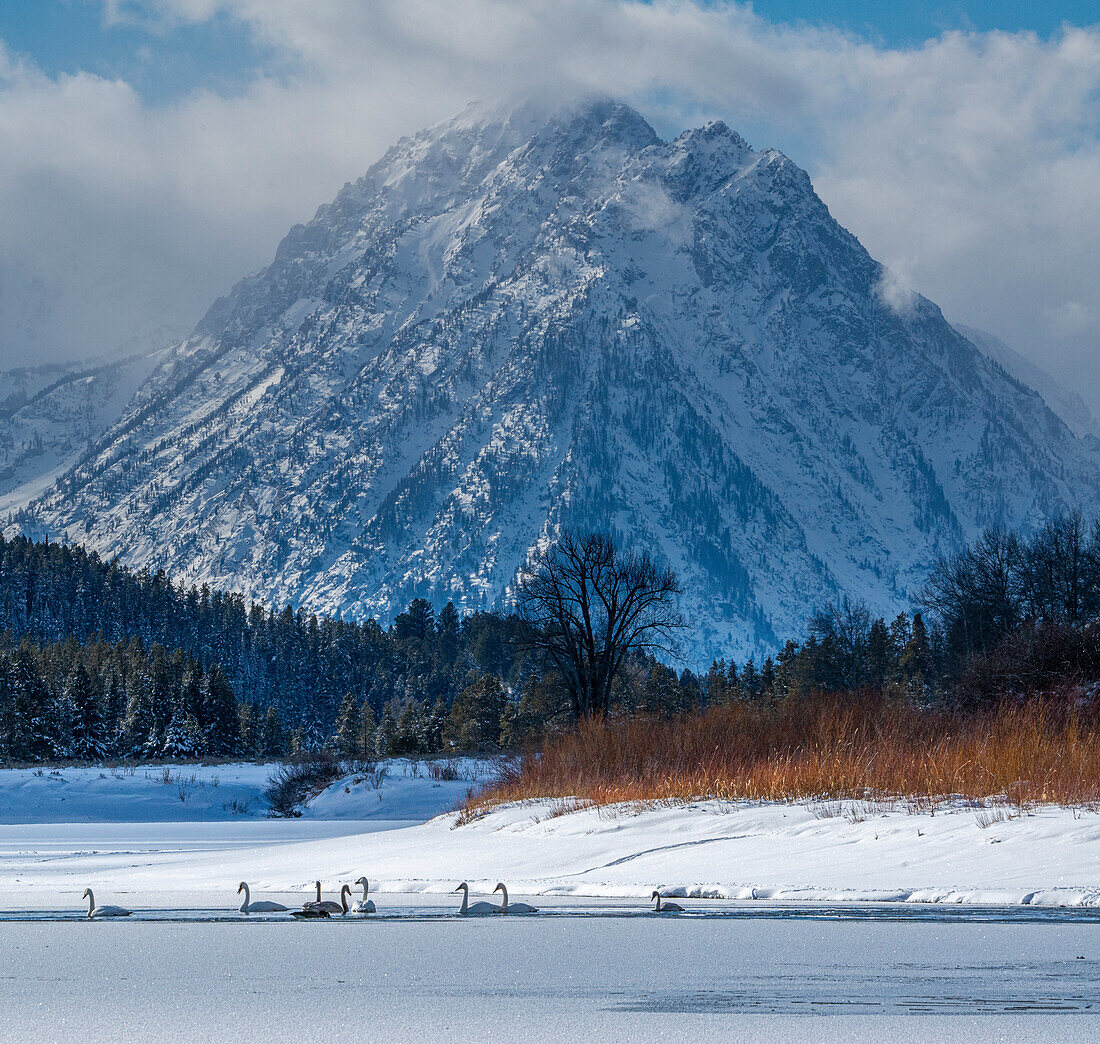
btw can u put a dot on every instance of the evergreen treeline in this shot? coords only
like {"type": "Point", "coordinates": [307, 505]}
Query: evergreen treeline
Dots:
{"type": "Point", "coordinates": [73, 702]}
{"type": "Point", "coordinates": [98, 660]}
{"type": "Point", "coordinates": [846, 650]}
{"type": "Point", "coordinates": [308, 668]}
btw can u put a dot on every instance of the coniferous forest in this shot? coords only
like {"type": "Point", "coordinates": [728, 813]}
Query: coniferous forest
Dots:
{"type": "Point", "coordinates": [97, 660]}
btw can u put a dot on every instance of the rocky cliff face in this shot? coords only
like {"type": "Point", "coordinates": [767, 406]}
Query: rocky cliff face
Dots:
{"type": "Point", "coordinates": [512, 324]}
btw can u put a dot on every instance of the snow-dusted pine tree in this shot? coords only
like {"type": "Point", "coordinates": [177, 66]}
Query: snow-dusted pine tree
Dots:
{"type": "Point", "coordinates": [273, 741]}
{"type": "Point", "coordinates": [183, 738]}
{"type": "Point", "coordinates": [223, 727]}
{"type": "Point", "coordinates": [34, 725]}
{"type": "Point", "coordinates": [366, 730]}
{"type": "Point", "coordinates": [347, 727]}
{"type": "Point", "coordinates": [87, 740]}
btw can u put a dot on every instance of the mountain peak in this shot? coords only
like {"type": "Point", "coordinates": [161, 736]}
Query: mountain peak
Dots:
{"type": "Point", "coordinates": [525, 321]}
{"type": "Point", "coordinates": [609, 121]}
{"type": "Point", "coordinates": [717, 129]}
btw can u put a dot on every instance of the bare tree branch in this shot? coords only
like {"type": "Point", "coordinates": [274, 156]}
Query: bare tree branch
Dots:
{"type": "Point", "coordinates": [589, 605]}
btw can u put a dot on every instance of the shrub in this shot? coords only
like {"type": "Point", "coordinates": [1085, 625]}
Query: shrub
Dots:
{"type": "Point", "coordinates": [826, 748]}
{"type": "Point", "coordinates": [446, 771]}
{"type": "Point", "coordinates": [295, 782]}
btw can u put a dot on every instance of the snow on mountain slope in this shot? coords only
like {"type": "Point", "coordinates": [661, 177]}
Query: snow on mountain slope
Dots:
{"type": "Point", "coordinates": [514, 323]}
{"type": "Point", "coordinates": [1067, 404]}
{"type": "Point", "coordinates": [50, 415]}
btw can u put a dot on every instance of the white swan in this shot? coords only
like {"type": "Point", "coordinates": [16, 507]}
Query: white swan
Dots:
{"type": "Point", "coordinates": [102, 911]}
{"type": "Point", "coordinates": [320, 906]}
{"type": "Point", "coordinates": [364, 905]}
{"type": "Point", "coordinates": [665, 907]}
{"type": "Point", "coordinates": [514, 908]}
{"type": "Point", "coordinates": [260, 906]}
{"type": "Point", "coordinates": [478, 909]}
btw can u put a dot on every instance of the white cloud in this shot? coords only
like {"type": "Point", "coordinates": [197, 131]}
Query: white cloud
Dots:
{"type": "Point", "coordinates": [968, 165]}
{"type": "Point", "coordinates": [894, 293]}
{"type": "Point", "coordinates": [1074, 319]}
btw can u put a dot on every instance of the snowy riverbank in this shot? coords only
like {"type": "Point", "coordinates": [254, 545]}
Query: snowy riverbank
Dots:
{"type": "Point", "coordinates": [710, 850]}
{"type": "Point", "coordinates": [396, 789]}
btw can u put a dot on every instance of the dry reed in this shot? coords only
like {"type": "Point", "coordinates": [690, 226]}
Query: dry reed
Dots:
{"type": "Point", "coordinates": [825, 749]}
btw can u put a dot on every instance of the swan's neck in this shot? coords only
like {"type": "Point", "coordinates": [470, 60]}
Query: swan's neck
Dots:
{"type": "Point", "coordinates": [465, 899]}
{"type": "Point", "coordinates": [366, 888]}
{"type": "Point", "coordinates": [504, 892]}
{"type": "Point", "coordinates": [658, 908]}
{"type": "Point", "coordinates": [247, 900]}
{"type": "Point", "coordinates": [318, 891]}
{"type": "Point", "coordinates": [344, 893]}
{"type": "Point", "coordinates": [91, 901]}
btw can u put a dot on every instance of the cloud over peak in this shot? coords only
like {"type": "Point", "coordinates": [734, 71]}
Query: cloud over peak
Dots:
{"type": "Point", "coordinates": [969, 163]}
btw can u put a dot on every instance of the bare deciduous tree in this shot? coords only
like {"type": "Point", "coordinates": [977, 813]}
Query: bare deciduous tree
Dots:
{"type": "Point", "coordinates": [589, 605]}
{"type": "Point", "coordinates": [982, 593]}
{"type": "Point", "coordinates": [843, 628]}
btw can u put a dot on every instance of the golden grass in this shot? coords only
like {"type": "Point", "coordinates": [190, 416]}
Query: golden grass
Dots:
{"type": "Point", "coordinates": [824, 749]}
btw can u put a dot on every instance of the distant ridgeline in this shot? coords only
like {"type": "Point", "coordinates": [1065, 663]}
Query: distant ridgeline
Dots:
{"type": "Point", "coordinates": [98, 659]}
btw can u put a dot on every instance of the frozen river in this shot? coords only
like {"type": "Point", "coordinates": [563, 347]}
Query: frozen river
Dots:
{"type": "Point", "coordinates": [591, 970]}
{"type": "Point", "coordinates": [973, 946]}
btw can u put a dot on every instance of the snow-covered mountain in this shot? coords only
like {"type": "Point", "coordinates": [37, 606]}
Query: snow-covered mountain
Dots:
{"type": "Point", "coordinates": [1067, 404]}
{"type": "Point", "coordinates": [51, 414]}
{"type": "Point", "coordinates": [514, 323]}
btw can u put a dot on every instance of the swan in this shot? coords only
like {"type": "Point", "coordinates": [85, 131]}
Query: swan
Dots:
{"type": "Point", "coordinates": [665, 907]}
{"type": "Point", "coordinates": [260, 906]}
{"type": "Point", "coordinates": [514, 908]}
{"type": "Point", "coordinates": [478, 909]}
{"type": "Point", "coordinates": [325, 906]}
{"type": "Point", "coordinates": [364, 905]}
{"type": "Point", "coordinates": [102, 911]}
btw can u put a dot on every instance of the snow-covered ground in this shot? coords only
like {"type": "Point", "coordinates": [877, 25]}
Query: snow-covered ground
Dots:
{"type": "Point", "coordinates": [142, 794]}
{"type": "Point", "coordinates": [773, 930]}
{"type": "Point", "coordinates": [133, 836]}
{"type": "Point", "coordinates": [399, 789]}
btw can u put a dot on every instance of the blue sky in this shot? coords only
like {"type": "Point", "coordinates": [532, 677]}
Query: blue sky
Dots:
{"type": "Point", "coordinates": [164, 62]}
{"type": "Point", "coordinates": [910, 22]}
{"type": "Point", "coordinates": [155, 151]}
{"type": "Point", "coordinates": [70, 36]}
